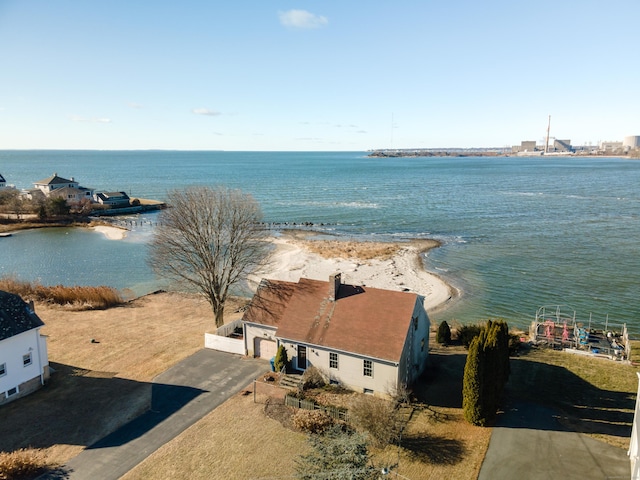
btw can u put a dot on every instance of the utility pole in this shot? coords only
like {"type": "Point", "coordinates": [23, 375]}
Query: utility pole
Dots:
{"type": "Point", "coordinates": [546, 145]}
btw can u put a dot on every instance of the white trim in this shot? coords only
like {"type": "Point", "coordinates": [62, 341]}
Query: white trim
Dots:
{"type": "Point", "coordinates": [27, 359]}
{"type": "Point", "coordinates": [17, 391]}
{"type": "Point", "coordinates": [3, 369]}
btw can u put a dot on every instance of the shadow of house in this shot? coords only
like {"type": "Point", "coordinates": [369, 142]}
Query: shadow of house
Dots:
{"type": "Point", "coordinates": [574, 403]}
{"type": "Point", "coordinates": [80, 407]}
{"type": "Point", "coordinates": [537, 396]}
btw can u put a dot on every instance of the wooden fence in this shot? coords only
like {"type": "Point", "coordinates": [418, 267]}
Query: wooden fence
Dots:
{"type": "Point", "coordinates": [306, 404]}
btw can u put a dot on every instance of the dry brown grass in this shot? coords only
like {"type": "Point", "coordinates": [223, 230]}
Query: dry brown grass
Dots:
{"type": "Point", "coordinates": [236, 441]}
{"type": "Point", "coordinates": [362, 251]}
{"type": "Point", "coordinates": [23, 463]}
{"type": "Point", "coordinates": [99, 386]}
{"type": "Point", "coordinates": [79, 297]}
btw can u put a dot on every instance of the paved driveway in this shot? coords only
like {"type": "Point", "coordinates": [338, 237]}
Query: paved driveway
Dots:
{"type": "Point", "coordinates": [528, 443]}
{"type": "Point", "coordinates": [180, 397]}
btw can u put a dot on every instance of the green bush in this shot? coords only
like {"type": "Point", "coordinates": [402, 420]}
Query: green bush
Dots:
{"type": "Point", "coordinates": [444, 333]}
{"type": "Point", "coordinates": [467, 333]}
{"type": "Point", "coordinates": [281, 359]}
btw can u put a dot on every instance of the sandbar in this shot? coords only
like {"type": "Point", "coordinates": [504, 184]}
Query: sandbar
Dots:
{"type": "Point", "coordinates": [391, 266]}
{"type": "Point", "coordinates": [112, 233]}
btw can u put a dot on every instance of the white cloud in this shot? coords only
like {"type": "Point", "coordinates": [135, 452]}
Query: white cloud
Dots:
{"type": "Point", "coordinates": [302, 19]}
{"type": "Point", "coordinates": [205, 111]}
{"type": "Point", "coordinates": [78, 118]}
{"type": "Point", "coordinates": [134, 105]}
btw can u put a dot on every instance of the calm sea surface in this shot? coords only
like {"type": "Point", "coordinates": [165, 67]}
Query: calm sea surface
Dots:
{"type": "Point", "coordinates": [517, 233]}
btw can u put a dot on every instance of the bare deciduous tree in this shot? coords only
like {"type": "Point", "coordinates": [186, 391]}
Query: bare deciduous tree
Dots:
{"type": "Point", "coordinates": [209, 238]}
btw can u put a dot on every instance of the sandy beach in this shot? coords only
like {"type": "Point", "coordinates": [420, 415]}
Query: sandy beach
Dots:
{"type": "Point", "coordinates": [112, 233]}
{"type": "Point", "coordinates": [391, 266]}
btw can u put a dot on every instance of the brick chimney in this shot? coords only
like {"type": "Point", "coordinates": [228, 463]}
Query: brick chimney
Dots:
{"type": "Point", "coordinates": [334, 286]}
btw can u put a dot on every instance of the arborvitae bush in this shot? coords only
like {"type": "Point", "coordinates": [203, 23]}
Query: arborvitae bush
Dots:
{"type": "Point", "coordinates": [281, 359]}
{"type": "Point", "coordinates": [444, 333]}
{"type": "Point", "coordinates": [486, 372]}
{"type": "Point", "coordinates": [472, 386]}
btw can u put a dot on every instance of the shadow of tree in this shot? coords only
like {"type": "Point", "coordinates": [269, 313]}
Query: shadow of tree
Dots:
{"type": "Point", "coordinates": [441, 384]}
{"type": "Point", "coordinates": [433, 449]}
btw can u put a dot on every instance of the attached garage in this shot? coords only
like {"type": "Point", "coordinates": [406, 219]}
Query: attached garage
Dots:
{"type": "Point", "coordinates": [264, 348]}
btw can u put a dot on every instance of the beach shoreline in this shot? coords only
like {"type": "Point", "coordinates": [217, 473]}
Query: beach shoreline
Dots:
{"type": "Point", "coordinates": [395, 266]}
{"type": "Point", "coordinates": [399, 266]}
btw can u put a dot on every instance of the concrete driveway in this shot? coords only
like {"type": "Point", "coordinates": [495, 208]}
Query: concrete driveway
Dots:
{"type": "Point", "coordinates": [528, 443]}
{"type": "Point", "coordinates": [180, 397]}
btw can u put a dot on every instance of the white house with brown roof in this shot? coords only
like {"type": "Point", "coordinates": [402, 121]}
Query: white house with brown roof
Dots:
{"type": "Point", "coordinates": [367, 339]}
{"type": "Point", "coordinates": [24, 364]}
{"type": "Point", "coordinates": [56, 186]}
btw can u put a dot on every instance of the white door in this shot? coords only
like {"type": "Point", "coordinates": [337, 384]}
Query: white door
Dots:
{"type": "Point", "coordinates": [265, 348]}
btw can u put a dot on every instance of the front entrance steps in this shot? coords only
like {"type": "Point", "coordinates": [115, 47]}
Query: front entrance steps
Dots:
{"type": "Point", "coordinates": [290, 380]}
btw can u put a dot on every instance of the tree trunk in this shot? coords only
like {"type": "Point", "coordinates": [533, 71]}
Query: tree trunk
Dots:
{"type": "Point", "coordinates": [219, 314]}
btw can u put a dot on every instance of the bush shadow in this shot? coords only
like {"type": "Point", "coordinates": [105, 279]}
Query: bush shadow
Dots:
{"type": "Point", "coordinates": [433, 449]}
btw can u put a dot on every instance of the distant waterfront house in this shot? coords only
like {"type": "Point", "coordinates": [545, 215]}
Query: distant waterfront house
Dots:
{"type": "Point", "coordinates": [3, 182]}
{"type": "Point", "coordinates": [24, 364]}
{"type": "Point", "coordinates": [114, 199]}
{"type": "Point", "coordinates": [367, 339]}
{"type": "Point", "coordinates": [72, 195]}
{"type": "Point", "coordinates": [54, 182]}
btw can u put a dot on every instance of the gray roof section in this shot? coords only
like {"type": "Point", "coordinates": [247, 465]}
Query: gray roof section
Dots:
{"type": "Point", "coordinates": [15, 316]}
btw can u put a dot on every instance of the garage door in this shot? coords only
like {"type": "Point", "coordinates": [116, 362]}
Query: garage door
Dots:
{"type": "Point", "coordinates": [265, 348]}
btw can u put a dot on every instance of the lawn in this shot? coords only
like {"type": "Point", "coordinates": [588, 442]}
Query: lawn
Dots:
{"type": "Point", "coordinates": [99, 386]}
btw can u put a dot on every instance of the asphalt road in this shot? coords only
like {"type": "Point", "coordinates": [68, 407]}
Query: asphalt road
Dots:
{"type": "Point", "coordinates": [180, 397]}
{"type": "Point", "coordinates": [528, 443]}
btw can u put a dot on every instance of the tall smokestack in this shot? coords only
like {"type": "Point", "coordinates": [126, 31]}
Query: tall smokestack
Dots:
{"type": "Point", "coordinates": [334, 286]}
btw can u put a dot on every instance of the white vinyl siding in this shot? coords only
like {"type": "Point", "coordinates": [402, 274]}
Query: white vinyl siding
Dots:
{"type": "Point", "coordinates": [26, 360]}
{"type": "Point", "coordinates": [3, 369]}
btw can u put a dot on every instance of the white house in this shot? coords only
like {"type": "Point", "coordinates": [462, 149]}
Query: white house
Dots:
{"type": "Point", "coordinates": [24, 364]}
{"type": "Point", "coordinates": [54, 182]}
{"type": "Point", "coordinates": [367, 339]}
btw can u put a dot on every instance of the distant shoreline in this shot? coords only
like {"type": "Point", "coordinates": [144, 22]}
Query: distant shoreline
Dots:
{"type": "Point", "coordinates": [460, 152]}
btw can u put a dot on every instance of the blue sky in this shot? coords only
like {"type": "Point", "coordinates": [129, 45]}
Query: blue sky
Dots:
{"type": "Point", "coordinates": [315, 75]}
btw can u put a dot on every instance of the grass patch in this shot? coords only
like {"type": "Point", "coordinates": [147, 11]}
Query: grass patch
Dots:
{"type": "Point", "coordinates": [80, 297]}
{"type": "Point", "coordinates": [594, 396]}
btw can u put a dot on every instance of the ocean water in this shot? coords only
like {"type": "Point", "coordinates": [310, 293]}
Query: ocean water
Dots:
{"type": "Point", "coordinates": [516, 233]}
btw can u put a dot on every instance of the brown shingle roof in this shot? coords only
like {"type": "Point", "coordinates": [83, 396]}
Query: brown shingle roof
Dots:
{"type": "Point", "coordinates": [366, 321]}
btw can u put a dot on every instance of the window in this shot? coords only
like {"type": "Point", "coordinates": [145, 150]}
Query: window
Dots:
{"type": "Point", "coordinates": [368, 368]}
{"type": "Point", "coordinates": [12, 391]}
{"type": "Point", "coordinates": [3, 369]}
{"type": "Point", "coordinates": [26, 359]}
{"type": "Point", "coordinates": [415, 322]}
{"type": "Point", "coordinates": [333, 360]}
